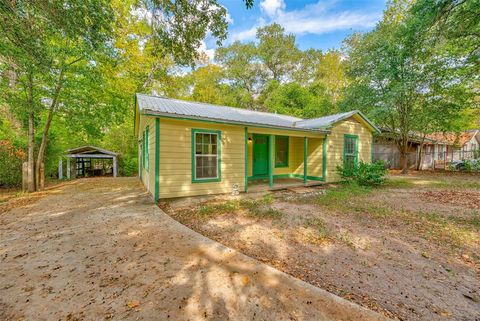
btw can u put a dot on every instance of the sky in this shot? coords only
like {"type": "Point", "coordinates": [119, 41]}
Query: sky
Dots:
{"type": "Point", "coordinates": [319, 24]}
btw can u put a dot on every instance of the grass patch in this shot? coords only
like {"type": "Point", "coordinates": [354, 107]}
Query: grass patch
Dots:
{"type": "Point", "coordinates": [318, 225]}
{"type": "Point", "coordinates": [335, 197]}
{"type": "Point", "coordinates": [399, 183]}
{"type": "Point", "coordinates": [259, 208]}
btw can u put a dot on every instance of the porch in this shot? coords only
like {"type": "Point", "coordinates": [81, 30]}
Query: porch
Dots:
{"type": "Point", "coordinates": [278, 161]}
{"type": "Point", "coordinates": [261, 185]}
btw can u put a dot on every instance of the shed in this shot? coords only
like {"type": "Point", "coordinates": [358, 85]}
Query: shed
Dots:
{"type": "Point", "coordinates": [89, 161]}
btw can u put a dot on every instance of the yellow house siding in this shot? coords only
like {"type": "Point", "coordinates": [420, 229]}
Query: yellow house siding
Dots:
{"type": "Point", "coordinates": [176, 159]}
{"type": "Point", "coordinates": [296, 167]}
{"type": "Point", "coordinates": [315, 157]}
{"type": "Point", "coordinates": [335, 145]}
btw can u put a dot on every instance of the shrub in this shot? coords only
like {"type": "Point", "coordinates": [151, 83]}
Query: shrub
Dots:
{"type": "Point", "coordinates": [129, 166]}
{"type": "Point", "coordinates": [365, 174]}
{"type": "Point", "coordinates": [11, 160]}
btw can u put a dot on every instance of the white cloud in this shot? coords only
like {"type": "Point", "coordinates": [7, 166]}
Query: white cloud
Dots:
{"type": "Point", "coordinates": [244, 34]}
{"type": "Point", "coordinates": [210, 53]}
{"type": "Point", "coordinates": [320, 18]}
{"type": "Point", "coordinates": [272, 7]}
{"type": "Point", "coordinates": [229, 18]}
{"type": "Point", "coordinates": [317, 18]}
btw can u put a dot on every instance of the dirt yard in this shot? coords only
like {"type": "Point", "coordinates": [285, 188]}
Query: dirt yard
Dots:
{"type": "Point", "coordinates": [409, 250]}
{"type": "Point", "coordinates": [100, 249]}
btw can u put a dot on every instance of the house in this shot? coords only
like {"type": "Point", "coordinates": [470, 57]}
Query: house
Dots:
{"type": "Point", "coordinates": [386, 150]}
{"type": "Point", "coordinates": [456, 146]}
{"type": "Point", "coordinates": [187, 148]}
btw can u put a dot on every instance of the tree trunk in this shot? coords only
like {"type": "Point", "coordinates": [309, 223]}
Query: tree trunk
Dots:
{"type": "Point", "coordinates": [31, 156]}
{"type": "Point", "coordinates": [31, 137]}
{"type": "Point", "coordinates": [419, 158]}
{"type": "Point", "coordinates": [404, 162]}
{"type": "Point", "coordinates": [43, 144]}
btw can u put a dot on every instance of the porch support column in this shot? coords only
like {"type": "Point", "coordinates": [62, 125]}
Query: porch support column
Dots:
{"type": "Point", "coordinates": [157, 159]}
{"type": "Point", "coordinates": [246, 161]}
{"type": "Point", "coordinates": [271, 148]}
{"type": "Point", "coordinates": [305, 159]}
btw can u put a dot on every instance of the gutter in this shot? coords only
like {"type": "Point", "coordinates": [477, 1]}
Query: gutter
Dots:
{"type": "Point", "coordinates": [221, 121]}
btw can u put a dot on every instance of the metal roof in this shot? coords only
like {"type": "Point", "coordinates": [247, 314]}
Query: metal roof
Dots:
{"type": "Point", "coordinates": [89, 149]}
{"type": "Point", "coordinates": [327, 121]}
{"type": "Point", "coordinates": [155, 105]}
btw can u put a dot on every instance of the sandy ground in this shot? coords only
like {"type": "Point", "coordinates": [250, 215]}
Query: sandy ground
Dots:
{"type": "Point", "coordinates": [387, 264]}
{"type": "Point", "coordinates": [99, 249]}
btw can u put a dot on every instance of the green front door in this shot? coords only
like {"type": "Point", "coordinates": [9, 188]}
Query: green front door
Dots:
{"type": "Point", "coordinates": [260, 155]}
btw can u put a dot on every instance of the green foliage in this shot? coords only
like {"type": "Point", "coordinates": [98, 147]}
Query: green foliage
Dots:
{"type": "Point", "coordinates": [341, 194]}
{"type": "Point", "coordinates": [11, 159]}
{"type": "Point", "coordinates": [128, 166]}
{"type": "Point", "coordinates": [365, 174]}
{"type": "Point", "coordinates": [277, 51]}
{"type": "Point", "coordinates": [261, 208]}
{"type": "Point", "coordinates": [406, 75]}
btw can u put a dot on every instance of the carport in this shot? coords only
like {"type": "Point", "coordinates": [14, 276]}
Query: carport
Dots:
{"type": "Point", "coordinates": [89, 161]}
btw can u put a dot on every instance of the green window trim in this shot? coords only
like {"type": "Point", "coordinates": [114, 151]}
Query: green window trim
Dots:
{"type": "Point", "coordinates": [219, 144]}
{"type": "Point", "coordinates": [246, 160]}
{"type": "Point", "coordinates": [280, 163]}
{"type": "Point", "coordinates": [346, 153]}
{"type": "Point", "coordinates": [157, 159]}
{"type": "Point", "coordinates": [147, 149]}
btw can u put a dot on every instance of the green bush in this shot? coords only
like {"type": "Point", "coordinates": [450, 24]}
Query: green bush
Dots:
{"type": "Point", "coordinates": [365, 174]}
{"type": "Point", "coordinates": [129, 166]}
{"type": "Point", "coordinates": [11, 160]}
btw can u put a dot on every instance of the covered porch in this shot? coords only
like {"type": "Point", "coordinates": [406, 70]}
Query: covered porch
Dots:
{"type": "Point", "coordinates": [283, 160]}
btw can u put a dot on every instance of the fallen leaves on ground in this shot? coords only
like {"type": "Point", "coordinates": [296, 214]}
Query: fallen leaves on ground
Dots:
{"type": "Point", "coordinates": [468, 199]}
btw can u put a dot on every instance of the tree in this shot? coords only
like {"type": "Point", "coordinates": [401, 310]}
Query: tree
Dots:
{"type": "Point", "coordinates": [405, 80]}
{"type": "Point", "coordinates": [51, 47]}
{"type": "Point", "coordinates": [330, 79]}
{"type": "Point", "coordinates": [206, 84]}
{"type": "Point", "coordinates": [41, 42]}
{"type": "Point", "coordinates": [294, 99]}
{"type": "Point", "coordinates": [277, 51]}
{"type": "Point", "coordinates": [242, 70]}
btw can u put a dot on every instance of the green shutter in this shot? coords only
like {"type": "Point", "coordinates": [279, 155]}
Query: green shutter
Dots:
{"type": "Point", "coordinates": [147, 149]}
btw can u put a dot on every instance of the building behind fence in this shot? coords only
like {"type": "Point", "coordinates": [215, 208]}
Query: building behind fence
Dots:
{"type": "Point", "coordinates": [431, 157]}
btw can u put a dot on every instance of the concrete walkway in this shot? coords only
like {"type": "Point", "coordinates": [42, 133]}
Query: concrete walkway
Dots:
{"type": "Point", "coordinates": [99, 249]}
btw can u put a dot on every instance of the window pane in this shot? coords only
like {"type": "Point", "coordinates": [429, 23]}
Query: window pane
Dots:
{"type": "Point", "coordinates": [206, 155]}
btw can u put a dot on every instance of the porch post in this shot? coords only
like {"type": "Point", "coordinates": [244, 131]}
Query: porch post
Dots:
{"type": "Point", "coordinates": [305, 159]}
{"type": "Point", "coordinates": [246, 160]}
{"type": "Point", "coordinates": [271, 142]}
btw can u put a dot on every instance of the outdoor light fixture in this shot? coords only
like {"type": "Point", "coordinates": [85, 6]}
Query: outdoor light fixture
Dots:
{"type": "Point", "coordinates": [249, 139]}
